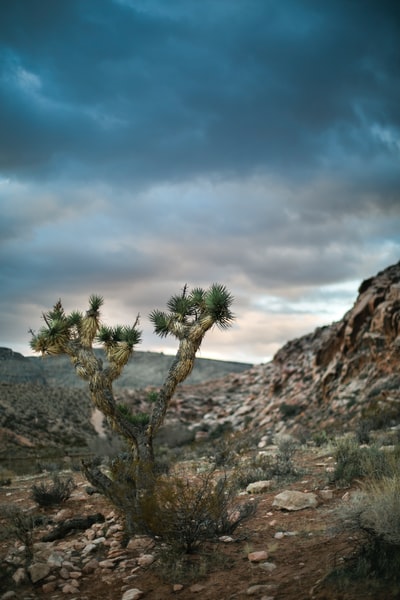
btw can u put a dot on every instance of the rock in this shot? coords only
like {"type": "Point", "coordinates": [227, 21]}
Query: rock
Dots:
{"type": "Point", "coordinates": [140, 543]}
{"type": "Point", "coordinates": [64, 573]}
{"type": "Point", "coordinates": [326, 494]}
{"type": "Point", "coordinates": [257, 556]}
{"type": "Point", "coordinates": [268, 566]}
{"type": "Point", "coordinates": [88, 549]}
{"type": "Point", "coordinates": [38, 571]}
{"type": "Point", "coordinates": [9, 596]}
{"type": "Point", "coordinates": [196, 588]}
{"type": "Point", "coordinates": [90, 566]}
{"type": "Point", "coordinates": [145, 560]}
{"type": "Point", "coordinates": [293, 500]}
{"type": "Point", "coordinates": [19, 576]}
{"type": "Point", "coordinates": [258, 487]}
{"type": "Point", "coordinates": [107, 564]}
{"type": "Point", "coordinates": [68, 588]}
{"type": "Point", "coordinates": [55, 559]}
{"type": "Point", "coordinates": [132, 594]}
{"type": "Point", "coordinates": [49, 587]}
{"type": "Point", "coordinates": [257, 590]}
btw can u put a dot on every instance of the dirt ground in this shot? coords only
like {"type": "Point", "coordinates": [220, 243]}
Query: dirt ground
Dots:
{"type": "Point", "coordinates": [311, 549]}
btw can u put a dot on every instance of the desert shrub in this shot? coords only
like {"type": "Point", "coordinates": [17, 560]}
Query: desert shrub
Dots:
{"type": "Point", "coordinates": [381, 410]}
{"type": "Point", "coordinates": [57, 492]}
{"type": "Point", "coordinates": [321, 438]}
{"type": "Point", "coordinates": [139, 418]}
{"type": "Point", "coordinates": [183, 512]}
{"type": "Point", "coordinates": [5, 476]}
{"type": "Point", "coordinates": [262, 466]}
{"type": "Point", "coordinates": [20, 525]}
{"type": "Point", "coordinates": [357, 462]}
{"type": "Point", "coordinates": [374, 514]}
{"type": "Point", "coordinates": [363, 431]}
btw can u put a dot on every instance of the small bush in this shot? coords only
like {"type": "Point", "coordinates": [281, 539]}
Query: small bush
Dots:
{"type": "Point", "coordinates": [19, 525]}
{"type": "Point", "coordinates": [321, 438]}
{"type": "Point", "coordinates": [356, 462]}
{"type": "Point", "coordinates": [374, 514]}
{"type": "Point", "coordinates": [279, 466]}
{"type": "Point", "coordinates": [363, 431]}
{"type": "Point", "coordinates": [140, 418]}
{"type": "Point", "coordinates": [55, 493]}
{"type": "Point", "coordinates": [184, 512]}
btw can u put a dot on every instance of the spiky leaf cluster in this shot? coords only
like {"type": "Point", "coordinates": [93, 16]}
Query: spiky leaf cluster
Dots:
{"type": "Point", "coordinates": [119, 341]}
{"type": "Point", "coordinates": [61, 329]}
{"type": "Point", "coordinates": [186, 309]}
{"type": "Point", "coordinates": [55, 334]}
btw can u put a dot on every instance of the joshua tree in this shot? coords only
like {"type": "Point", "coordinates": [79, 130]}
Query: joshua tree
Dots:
{"type": "Point", "coordinates": [190, 315]}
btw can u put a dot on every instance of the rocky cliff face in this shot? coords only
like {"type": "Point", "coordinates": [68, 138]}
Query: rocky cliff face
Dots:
{"type": "Point", "coordinates": [328, 380]}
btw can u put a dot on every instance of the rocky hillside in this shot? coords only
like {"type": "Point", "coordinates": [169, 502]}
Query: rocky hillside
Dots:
{"type": "Point", "coordinates": [339, 377]}
{"type": "Point", "coordinates": [45, 408]}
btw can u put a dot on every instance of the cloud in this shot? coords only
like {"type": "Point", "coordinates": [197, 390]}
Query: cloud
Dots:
{"type": "Point", "coordinates": [146, 145]}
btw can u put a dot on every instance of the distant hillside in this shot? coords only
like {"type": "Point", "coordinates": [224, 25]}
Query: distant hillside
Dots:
{"type": "Point", "coordinates": [144, 368]}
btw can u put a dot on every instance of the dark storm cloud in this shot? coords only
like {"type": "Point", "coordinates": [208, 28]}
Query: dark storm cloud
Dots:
{"type": "Point", "coordinates": [154, 94]}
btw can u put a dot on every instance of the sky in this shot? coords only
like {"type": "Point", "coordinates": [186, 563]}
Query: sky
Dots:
{"type": "Point", "coordinates": [149, 144]}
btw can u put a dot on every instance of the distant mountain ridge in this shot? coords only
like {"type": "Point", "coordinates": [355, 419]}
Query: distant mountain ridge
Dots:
{"type": "Point", "coordinates": [143, 369]}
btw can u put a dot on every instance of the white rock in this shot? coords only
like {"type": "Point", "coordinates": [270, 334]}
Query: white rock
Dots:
{"type": "Point", "coordinates": [88, 549]}
{"type": "Point", "coordinates": [55, 559]}
{"type": "Point", "coordinates": [100, 540]}
{"type": "Point", "coordinates": [145, 560]}
{"type": "Point", "coordinates": [132, 594]}
{"type": "Point", "coordinates": [292, 500]}
{"type": "Point", "coordinates": [268, 566]}
{"type": "Point", "coordinates": [258, 487]}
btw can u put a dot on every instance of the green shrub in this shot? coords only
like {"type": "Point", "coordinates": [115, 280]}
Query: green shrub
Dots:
{"type": "Point", "coordinates": [374, 514]}
{"type": "Point", "coordinates": [357, 462]}
{"type": "Point", "coordinates": [20, 525]}
{"type": "Point", "coordinates": [321, 438]}
{"type": "Point", "coordinates": [277, 466]}
{"type": "Point", "coordinates": [55, 493]}
{"type": "Point", "coordinates": [184, 512]}
{"type": "Point", "coordinates": [139, 418]}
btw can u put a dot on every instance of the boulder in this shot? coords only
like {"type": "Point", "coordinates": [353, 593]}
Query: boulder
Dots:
{"type": "Point", "coordinates": [293, 500]}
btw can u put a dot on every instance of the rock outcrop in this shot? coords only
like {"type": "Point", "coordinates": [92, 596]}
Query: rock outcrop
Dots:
{"type": "Point", "coordinates": [330, 380]}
